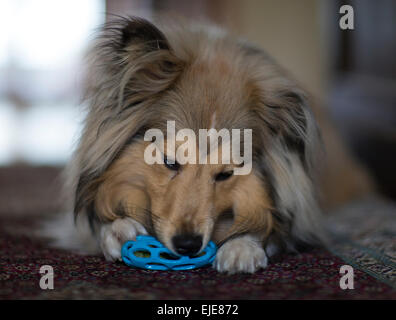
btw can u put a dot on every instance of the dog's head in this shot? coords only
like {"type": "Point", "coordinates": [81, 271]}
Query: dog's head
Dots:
{"type": "Point", "coordinates": [142, 78]}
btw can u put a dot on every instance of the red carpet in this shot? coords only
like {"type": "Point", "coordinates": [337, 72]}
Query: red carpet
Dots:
{"type": "Point", "coordinates": [313, 275]}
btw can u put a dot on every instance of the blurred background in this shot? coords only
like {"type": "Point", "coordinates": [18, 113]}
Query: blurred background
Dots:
{"type": "Point", "coordinates": [352, 73]}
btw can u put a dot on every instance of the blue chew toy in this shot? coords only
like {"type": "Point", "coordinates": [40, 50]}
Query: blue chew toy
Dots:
{"type": "Point", "coordinates": [148, 253]}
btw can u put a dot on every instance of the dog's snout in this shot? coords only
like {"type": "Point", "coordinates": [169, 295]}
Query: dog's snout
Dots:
{"type": "Point", "coordinates": [187, 244]}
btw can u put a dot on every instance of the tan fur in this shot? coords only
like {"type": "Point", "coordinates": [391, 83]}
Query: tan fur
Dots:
{"type": "Point", "coordinates": [200, 79]}
{"type": "Point", "coordinates": [191, 203]}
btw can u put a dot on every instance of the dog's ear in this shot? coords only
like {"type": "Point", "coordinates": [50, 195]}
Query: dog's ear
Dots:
{"type": "Point", "coordinates": [140, 31]}
{"type": "Point", "coordinates": [131, 61]}
{"type": "Point", "coordinates": [287, 115]}
{"type": "Point", "coordinates": [129, 66]}
{"type": "Point", "coordinates": [291, 110]}
{"type": "Point", "coordinates": [290, 139]}
{"type": "Point", "coordinates": [287, 149]}
{"type": "Point", "coordinates": [281, 106]}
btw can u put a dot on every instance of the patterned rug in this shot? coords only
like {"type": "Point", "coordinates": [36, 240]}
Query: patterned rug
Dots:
{"type": "Point", "coordinates": [364, 235]}
{"type": "Point", "coordinates": [28, 193]}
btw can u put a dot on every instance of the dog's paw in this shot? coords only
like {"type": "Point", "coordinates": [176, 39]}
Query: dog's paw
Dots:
{"type": "Point", "coordinates": [240, 255]}
{"type": "Point", "coordinates": [113, 235]}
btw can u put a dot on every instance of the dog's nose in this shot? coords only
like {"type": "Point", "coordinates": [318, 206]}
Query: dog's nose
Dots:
{"type": "Point", "coordinates": [187, 244]}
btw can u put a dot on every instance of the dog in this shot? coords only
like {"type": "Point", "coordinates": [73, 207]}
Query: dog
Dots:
{"type": "Point", "coordinates": [139, 77]}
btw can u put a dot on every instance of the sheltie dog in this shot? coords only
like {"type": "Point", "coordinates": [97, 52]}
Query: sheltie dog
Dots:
{"type": "Point", "coordinates": [141, 77]}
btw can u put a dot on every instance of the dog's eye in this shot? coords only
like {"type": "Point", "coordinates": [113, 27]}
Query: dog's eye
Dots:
{"type": "Point", "coordinates": [171, 166]}
{"type": "Point", "coordinates": [224, 175]}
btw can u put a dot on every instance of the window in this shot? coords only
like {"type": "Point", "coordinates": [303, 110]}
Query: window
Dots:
{"type": "Point", "coordinates": [41, 49]}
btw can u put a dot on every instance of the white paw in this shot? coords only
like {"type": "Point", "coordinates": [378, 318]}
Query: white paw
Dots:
{"type": "Point", "coordinates": [113, 235]}
{"type": "Point", "coordinates": [240, 255]}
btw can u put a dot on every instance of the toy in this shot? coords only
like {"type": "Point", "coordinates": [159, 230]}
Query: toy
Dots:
{"type": "Point", "coordinates": [148, 253]}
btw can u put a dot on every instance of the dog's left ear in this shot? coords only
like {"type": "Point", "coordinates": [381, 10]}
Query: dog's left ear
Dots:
{"type": "Point", "coordinates": [287, 114]}
{"type": "Point", "coordinates": [290, 133]}
{"type": "Point", "coordinates": [282, 106]}
{"type": "Point", "coordinates": [291, 108]}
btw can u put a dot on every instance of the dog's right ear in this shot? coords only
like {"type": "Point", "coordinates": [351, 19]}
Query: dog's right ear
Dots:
{"type": "Point", "coordinates": [131, 61]}
{"type": "Point", "coordinates": [130, 64]}
{"type": "Point", "coordinates": [140, 31]}
{"type": "Point", "coordinates": [133, 36]}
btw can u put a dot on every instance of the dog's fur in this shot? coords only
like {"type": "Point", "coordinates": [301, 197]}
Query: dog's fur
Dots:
{"type": "Point", "coordinates": [139, 78]}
